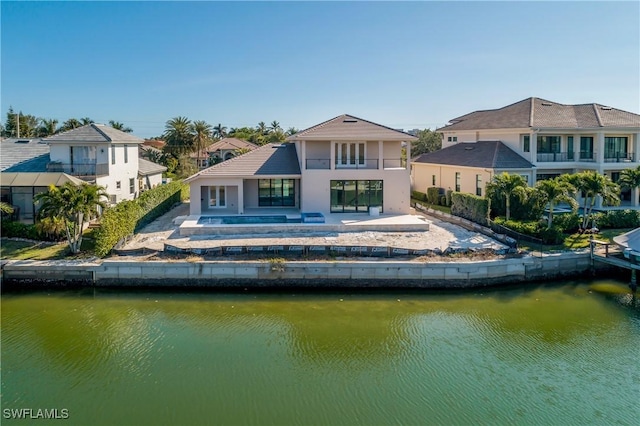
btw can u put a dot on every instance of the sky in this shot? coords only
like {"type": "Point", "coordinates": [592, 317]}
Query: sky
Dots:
{"type": "Point", "coordinates": [401, 64]}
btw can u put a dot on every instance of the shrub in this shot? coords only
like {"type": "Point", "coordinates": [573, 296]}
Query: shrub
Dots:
{"type": "Point", "coordinates": [443, 200]}
{"type": "Point", "coordinates": [433, 195]}
{"type": "Point", "coordinates": [553, 235]}
{"type": "Point", "coordinates": [420, 196]}
{"type": "Point", "coordinates": [13, 229]}
{"type": "Point", "coordinates": [471, 207]}
{"type": "Point", "coordinates": [122, 220]}
{"type": "Point", "coordinates": [567, 222]}
{"type": "Point", "coordinates": [448, 197]}
{"type": "Point", "coordinates": [617, 219]}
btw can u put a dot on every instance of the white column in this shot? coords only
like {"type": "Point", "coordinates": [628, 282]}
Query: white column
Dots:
{"type": "Point", "coordinates": [599, 148]}
{"type": "Point", "coordinates": [635, 193]}
{"type": "Point", "coordinates": [408, 165]}
{"type": "Point", "coordinates": [533, 147]}
{"type": "Point", "coordinates": [635, 147]}
{"type": "Point", "coordinates": [380, 156]}
{"type": "Point", "coordinates": [195, 205]}
{"type": "Point", "coordinates": [576, 147]}
{"type": "Point", "coordinates": [332, 155]}
{"type": "Point", "coordinates": [241, 197]}
{"type": "Point", "coordinates": [303, 155]}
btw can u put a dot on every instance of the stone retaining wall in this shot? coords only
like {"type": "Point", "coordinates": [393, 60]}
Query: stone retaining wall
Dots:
{"type": "Point", "coordinates": [277, 273]}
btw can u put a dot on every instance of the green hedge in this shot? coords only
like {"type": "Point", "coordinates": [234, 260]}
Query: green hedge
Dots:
{"type": "Point", "coordinates": [11, 229]}
{"type": "Point", "coordinates": [448, 197]}
{"type": "Point", "coordinates": [537, 229]}
{"type": "Point", "coordinates": [470, 206]}
{"type": "Point", "coordinates": [417, 195]}
{"type": "Point", "coordinates": [433, 195]}
{"type": "Point", "coordinates": [617, 219]}
{"type": "Point", "coordinates": [122, 220]}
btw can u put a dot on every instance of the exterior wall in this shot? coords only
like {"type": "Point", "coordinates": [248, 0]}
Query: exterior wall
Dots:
{"type": "Point", "coordinates": [153, 180]}
{"type": "Point", "coordinates": [198, 203]}
{"type": "Point", "coordinates": [121, 172]}
{"type": "Point", "coordinates": [251, 193]}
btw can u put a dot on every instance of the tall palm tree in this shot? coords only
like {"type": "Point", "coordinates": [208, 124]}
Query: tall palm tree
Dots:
{"type": "Point", "coordinates": [77, 204]}
{"type": "Point", "coordinates": [630, 178]}
{"type": "Point", "coordinates": [275, 126]}
{"type": "Point", "coordinates": [219, 131]}
{"type": "Point", "coordinates": [557, 191]}
{"type": "Point", "coordinates": [291, 131]}
{"type": "Point", "coordinates": [506, 186]}
{"type": "Point", "coordinates": [201, 136]}
{"type": "Point", "coordinates": [592, 185]}
{"type": "Point", "coordinates": [70, 124]}
{"type": "Point", "coordinates": [120, 126]}
{"type": "Point", "coordinates": [47, 127]}
{"type": "Point", "coordinates": [5, 207]}
{"type": "Point", "coordinates": [86, 120]}
{"type": "Point", "coordinates": [262, 128]}
{"type": "Point", "coordinates": [178, 136]}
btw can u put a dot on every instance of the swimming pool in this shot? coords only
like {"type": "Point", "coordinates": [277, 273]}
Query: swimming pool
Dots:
{"type": "Point", "coordinates": [245, 220]}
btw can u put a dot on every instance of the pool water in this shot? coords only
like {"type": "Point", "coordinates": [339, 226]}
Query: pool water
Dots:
{"type": "Point", "coordinates": [245, 220]}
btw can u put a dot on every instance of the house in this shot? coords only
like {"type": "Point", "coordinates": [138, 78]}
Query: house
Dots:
{"type": "Point", "coordinates": [222, 150]}
{"type": "Point", "coordinates": [555, 138]}
{"type": "Point", "coordinates": [345, 164]}
{"type": "Point", "coordinates": [94, 153]}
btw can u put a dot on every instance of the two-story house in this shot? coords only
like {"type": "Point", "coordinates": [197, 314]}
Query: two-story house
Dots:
{"type": "Point", "coordinates": [554, 138]}
{"type": "Point", "coordinates": [343, 165]}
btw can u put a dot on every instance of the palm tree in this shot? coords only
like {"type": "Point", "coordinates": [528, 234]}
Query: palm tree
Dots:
{"type": "Point", "coordinates": [70, 124]}
{"type": "Point", "coordinates": [178, 136]}
{"type": "Point", "coordinates": [219, 131]}
{"type": "Point", "coordinates": [507, 186]}
{"type": "Point", "coordinates": [630, 178]}
{"type": "Point", "coordinates": [592, 184]}
{"type": "Point", "coordinates": [275, 126]}
{"type": "Point", "coordinates": [86, 120]}
{"type": "Point", "coordinates": [47, 127]}
{"type": "Point", "coordinates": [261, 128]}
{"type": "Point", "coordinates": [201, 136]}
{"type": "Point", "coordinates": [5, 208]}
{"type": "Point", "coordinates": [120, 126]}
{"type": "Point", "coordinates": [291, 131]}
{"type": "Point", "coordinates": [74, 203]}
{"type": "Point", "coordinates": [557, 191]}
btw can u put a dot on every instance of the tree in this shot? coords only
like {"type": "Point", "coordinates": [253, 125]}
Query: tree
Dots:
{"type": "Point", "coordinates": [291, 131]}
{"type": "Point", "coordinates": [630, 178]}
{"type": "Point", "coordinates": [74, 203]}
{"type": "Point", "coordinates": [557, 191]}
{"type": "Point", "coordinates": [47, 127]}
{"type": "Point", "coordinates": [178, 136]}
{"type": "Point", "coordinates": [86, 120]}
{"type": "Point", "coordinates": [120, 126]}
{"type": "Point", "coordinates": [219, 131]}
{"type": "Point", "coordinates": [5, 208]}
{"type": "Point", "coordinates": [428, 141]}
{"type": "Point", "coordinates": [275, 126]}
{"type": "Point", "coordinates": [70, 124]}
{"type": "Point", "coordinates": [261, 128]}
{"type": "Point", "coordinates": [201, 135]}
{"type": "Point", "coordinates": [593, 185]}
{"type": "Point", "coordinates": [506, 186]}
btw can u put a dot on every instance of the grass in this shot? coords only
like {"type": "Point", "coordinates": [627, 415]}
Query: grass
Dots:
{"type": "Point", "coordinates": [40, 250]}
{"type": "Point", "coordinates": [576, 241]}
{"type": "Point", "coordinates": [438, 207]}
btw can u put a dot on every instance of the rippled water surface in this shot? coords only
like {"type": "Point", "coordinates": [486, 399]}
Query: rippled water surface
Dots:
{"type": "Point", "coordinates": [565, 353]}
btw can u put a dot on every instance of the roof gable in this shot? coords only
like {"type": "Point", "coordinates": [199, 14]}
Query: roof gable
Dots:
{"type": "Point", "coordinates": [267, 160]}
{"type": "Point", "coordinates": [348, 127]}
{"type": "Point", "coordinates": [94, 133]}
{"type": "Point", "coordinates": [14, 152]}
{"type": "Point", "coordinates": [484, 154]}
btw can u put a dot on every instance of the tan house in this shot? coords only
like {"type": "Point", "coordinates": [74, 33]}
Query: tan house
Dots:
{"type": "Point", "coordinates": [555, 138]}
{"type": "Point", "coordinates": [345, 164]}
{"type": "Point", "coordinates": [222, 150]}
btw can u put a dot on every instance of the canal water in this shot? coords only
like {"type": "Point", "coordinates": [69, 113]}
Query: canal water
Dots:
{"type": "Point", "coordinates": [541, 354]}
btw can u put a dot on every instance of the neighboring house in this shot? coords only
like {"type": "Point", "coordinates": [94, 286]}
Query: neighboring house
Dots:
{"type": "Point", "coordinates": [467, 167]}
{"type": "Point", "coordinates": [554, 138]}
{"type": "Point", "coordinates": [93, 153]}
{"type": "Point", "coordinates": [222, 150]}
{"type": "Point", "coordinates": [345, 164]}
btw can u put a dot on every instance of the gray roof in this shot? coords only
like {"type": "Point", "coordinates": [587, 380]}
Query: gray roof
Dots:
{"type": "Point", "coordinates": [268, 160]}
{"type": "Point", "coordinates": [37, 179]}
{"type": "Point", "coordinates": [348, 127]}
{"type": "Point", "coordinates": [94, 133]}
{"type": "Point", "coordinates": [540, 113]}
{"type": "Point", "coordinates": [146, 167]}
{"type": "Point", "coordinates": [485, 154]}
{"type": "Point", "coordinates": [17, 151]}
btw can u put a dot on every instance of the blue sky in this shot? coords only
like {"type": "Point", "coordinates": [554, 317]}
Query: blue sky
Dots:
{"type": "Point", "coordinates": [402, 64]}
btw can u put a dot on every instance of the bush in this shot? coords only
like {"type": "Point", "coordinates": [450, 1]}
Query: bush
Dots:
{"type": "Point", "coordinates": [471, 207]}
{"type": "Point", "coordinates": [443, 200]}
{"type": "Point", "coordinates": [448, 197]}
{"type": "Point", "coordinates": [122, 220]}
{"type": "Point", "coordinates": [567, 222]}
{"type": "Point", "coordinates": [433, 195]}
{"type": "Point", "coordinates": [553, 235]}
{"type": "Point", "coordinates": [420, 196]}
{"type": "Point", "coordinates": [617, 219]}
{"type": "Point", "coordinates": [11, 229]}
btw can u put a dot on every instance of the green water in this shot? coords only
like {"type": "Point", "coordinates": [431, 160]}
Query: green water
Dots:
{"type": "Point", "coordinates": [555, 354]}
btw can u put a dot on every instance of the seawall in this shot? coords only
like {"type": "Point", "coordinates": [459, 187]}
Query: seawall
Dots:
{"type": "Point", "coordinates": [300, 274]}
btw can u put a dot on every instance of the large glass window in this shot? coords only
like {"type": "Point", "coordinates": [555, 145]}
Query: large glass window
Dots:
{"type": "Point", "coordinates": [217, 196]}
{"type": "Point", "coordinates": [276, 192]}
{"type": "Point", "coordinates": [526, 143]}
{"type": "Point", "coordinates": [351, 196]}
{"type": "Point", "coordinates": [548, 144]}
{"type": "Point", "coordinates": [457, 181]}
{"type": "Point", "coordinates": [615, 147]}
{"type": "Point", "coordinates": [586, 147]}
{"type": "Point", "coordinates": [350, 154]}
{"type": "Point", "coordinates": [570, 147]}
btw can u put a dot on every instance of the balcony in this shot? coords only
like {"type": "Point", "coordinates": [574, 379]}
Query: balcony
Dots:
{"type": "Point", "coordinates": [619, 157]}
{"type": "Point", "coordinates": [369, 164]}
{"type": "Point", "coordinates": [79, 169]}
{"type": "Point", "coordinates": [588, 156]}
{"type": "Point", "coordinates": [554, 157]}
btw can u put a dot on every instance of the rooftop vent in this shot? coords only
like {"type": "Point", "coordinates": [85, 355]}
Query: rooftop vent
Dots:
{"type": "Point", "coordinates": [605, 108]}
{"type": "Point", "coordinates": [22, 141]}
{"type": "Point", "coordinates": [349, 120]}
{"type": "Point", "coordinates": [546, 104]}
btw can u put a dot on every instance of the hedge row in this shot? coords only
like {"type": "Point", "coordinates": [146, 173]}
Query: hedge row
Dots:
{"type": "Point", "coordinates": [537, 229]}
{"type": "Point", "coordinates": [122, 220]}
{"type": "Point", "coordinates": [470, 206]}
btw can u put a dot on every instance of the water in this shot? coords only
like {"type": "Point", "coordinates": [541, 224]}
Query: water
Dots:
{"type": "Point", "coordinates": [563, 353]}
{"type": "Point", "coordinates": [245, 220]}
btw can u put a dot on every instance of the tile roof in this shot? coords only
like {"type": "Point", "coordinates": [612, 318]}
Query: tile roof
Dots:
{"type": "Point", "coordinates": [37, 179]}
{"type": "Point", "coordinates": [94, 133]}
{"type": "Point", "coordinates": [225, 143]}
{"type": "Point", "coordinates": [267, 160]}
{"type": "Point", "coordinates": [485, 154]}
{"type": "Point", "coordinates": [146, 167]}
{"type": "Point", "coordinates": [540, 113]}
{"type": "Point", "coordinates": [16, 151]}
{"type": "Point", "coordinates": [348, 127]}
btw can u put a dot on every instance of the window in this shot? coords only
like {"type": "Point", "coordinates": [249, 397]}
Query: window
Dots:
{"type": "Point", "coordinates": [433, 180]}
{"type": "Point", "coordinates": [586, 147]}
{"type": "Point", "coordinates": [455, 139]}
{"type": "Point", "coordinates": [350, 154]}
{"type": "Point", "coordinates": [351, 196]}
{"type": "Point", "coordinates": [548, 144]}
{"type": "Point", "coordinates": [449, 139]}
{"type": "Point", "coordinates": [457, 181]}
{"type": "Point", "coordinates": [570, 147]}
{"type": "Point", "coordinates": [276, 192]}
{"type": "Point", "coordinates": [132, 186]}
{"type": "Point", "coordinates": [452, 139]}
{"type": "Point", "coordinates": [526, 143]}
{"type": "Point", "coordinates": [218, 196]}
{"type": "Point", "coordinates": [126, 154]}
{"type": "Point", "coordinates": [113, 154]}
{"type": "Point", "coordinates": [479, 185]}
{"type": "Point", "coordinates": [118, 185]}
{"type": "Point", "coordinates": [615, 147]}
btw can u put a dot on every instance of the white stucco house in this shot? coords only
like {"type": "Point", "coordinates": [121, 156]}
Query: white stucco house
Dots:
{"type": "Point", "coordinates": [552, 138]}
{"type": "Point", "coordinates": [343, 165]}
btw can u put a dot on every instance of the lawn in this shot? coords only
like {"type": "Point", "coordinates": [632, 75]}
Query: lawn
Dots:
{"type": "Point", "coordinates": [438, 207]}
{"type": "Point", "coordinates": [38, 250]}
{"type": "Point", "coordinates": [576, 241]}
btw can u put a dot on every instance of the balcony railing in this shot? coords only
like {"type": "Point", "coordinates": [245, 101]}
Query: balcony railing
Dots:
{"type": "Point", "coordinates": [318, 163]}
{"type": "Point", "coordinates": [588, 156]}
{"type": "Point", "coordinates": [618, 157]}
{"type": "Point", "coordinates": [554, 157]}
{"type": "Point", "coordinates": [79, 169]}
{"type": "Point", "coordinates": [394, 163]}
{"type": "Point", "coordinates": [369, 164]}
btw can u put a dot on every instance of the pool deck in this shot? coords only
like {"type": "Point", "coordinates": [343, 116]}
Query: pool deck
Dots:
{"type": "Point", "coordinates": [343, 222]}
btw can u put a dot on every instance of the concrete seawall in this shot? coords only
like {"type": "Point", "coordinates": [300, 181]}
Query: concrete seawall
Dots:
{"type": "Point", "coordinates": [276, 273]}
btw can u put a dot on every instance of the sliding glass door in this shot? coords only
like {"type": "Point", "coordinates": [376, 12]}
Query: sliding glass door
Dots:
{"type": "Point", "coordinates": [355, 196]}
